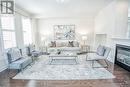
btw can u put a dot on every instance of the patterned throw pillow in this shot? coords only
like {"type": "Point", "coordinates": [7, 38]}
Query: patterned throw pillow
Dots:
{"type": "Point", "coordinates": [71, 44]}
{"type": "Point", "coordinates": [53, 43]}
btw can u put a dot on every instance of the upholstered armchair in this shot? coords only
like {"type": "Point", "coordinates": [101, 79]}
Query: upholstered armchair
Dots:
{"type": "Point", "coordinates": [33, 52]}
{"type": "Point", "coordinates": [16, 60]}
{"type": "Point", "coordinates": [101, 54]}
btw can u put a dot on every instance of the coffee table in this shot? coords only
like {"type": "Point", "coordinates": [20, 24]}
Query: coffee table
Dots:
{"type": "Point", "coordinates": [63, 57]}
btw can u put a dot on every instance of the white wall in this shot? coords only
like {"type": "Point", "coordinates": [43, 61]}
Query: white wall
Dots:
{"type": "Point", "coordinates": [112, 20]}
{"type": "Point", "coordinates": [83, 26]}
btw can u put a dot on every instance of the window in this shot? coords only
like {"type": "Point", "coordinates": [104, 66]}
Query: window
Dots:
{"type": "Point", "coordinates": [8, 31]}
{"type": "Point", "coordinates": [27, 33]}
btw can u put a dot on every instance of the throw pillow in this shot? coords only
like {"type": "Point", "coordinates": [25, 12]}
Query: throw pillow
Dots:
{"type": "Point", "coordinates": [71, 44]}
{"type": "Point", "coordinates": [53, 43]}
{"type": "Point", "coordinates": [100, 50]}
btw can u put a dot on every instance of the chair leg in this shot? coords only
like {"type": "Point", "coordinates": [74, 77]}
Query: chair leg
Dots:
{"type": "Point", "coordinates": [92, 63]}
{"type": "Point", "coordinates": [8, 72]}
{"type": "Point", "coordinates": [106, 63]}
{"type": "Point", "coordinates": [99, 67]}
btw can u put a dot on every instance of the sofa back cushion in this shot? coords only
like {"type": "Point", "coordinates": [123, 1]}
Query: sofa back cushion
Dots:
{"type": "Point", "coordinates": [63, 44]}
{"type": "Point", "coordinates": [76, 44]}
{"type": "Point", "coordinates": [14, 54]}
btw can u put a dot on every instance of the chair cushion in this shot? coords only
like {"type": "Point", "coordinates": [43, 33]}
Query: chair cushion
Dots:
{"type": "Point", "coordinates": [21, 63]}
{"type": "Point", "coordinates": [24, 51]}
{"type": "Point", "coordinates": [36, 53]}
{"type": "Point", "coordinates": [94, 56]}
{"type": "Point", "coordinates": [100, 50]}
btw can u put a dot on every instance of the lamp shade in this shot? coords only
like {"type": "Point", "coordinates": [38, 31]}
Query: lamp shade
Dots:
{"type": "Point", "coordinates": [84, 37]}
{"type": "Point", "coordinates": [43, 38]}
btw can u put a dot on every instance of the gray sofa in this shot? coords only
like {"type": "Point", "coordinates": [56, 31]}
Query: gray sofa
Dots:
{"type": "Point", "coordinates": [16, 60]}
{"type": "Point", "coordinates": [73, 46]}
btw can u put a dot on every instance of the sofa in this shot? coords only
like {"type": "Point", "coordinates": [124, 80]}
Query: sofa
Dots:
{"type": "Point", "coordinates": [16, 60]}
{"type": "Point", "coordinates": [53, 46]}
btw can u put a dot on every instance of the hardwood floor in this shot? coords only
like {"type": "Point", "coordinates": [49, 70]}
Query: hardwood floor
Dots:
{"type": "Point", "coordinates": [122, 80]}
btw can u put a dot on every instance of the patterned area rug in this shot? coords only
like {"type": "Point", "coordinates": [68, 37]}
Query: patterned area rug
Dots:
{"type": "Point", "coordinates": [42, 70]}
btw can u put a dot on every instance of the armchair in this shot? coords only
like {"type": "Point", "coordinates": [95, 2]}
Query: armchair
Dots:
{"type": "Point", "coordinates": [16, 60]}
{"type": "Point", "coordinates": [101, 54]}
{"type": "Point", "coordinates": [31, 51]}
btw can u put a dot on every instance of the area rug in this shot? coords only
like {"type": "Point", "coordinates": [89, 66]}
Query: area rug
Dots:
{"type": "Point", "coordinates": [42, 70]}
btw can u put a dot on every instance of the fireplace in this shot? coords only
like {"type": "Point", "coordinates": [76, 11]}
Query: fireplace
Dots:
{"type": "Point", "coordinates": [122, 56]}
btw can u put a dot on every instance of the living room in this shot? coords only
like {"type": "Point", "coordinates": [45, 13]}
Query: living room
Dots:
{"type": "Point", "coordinates": [64, 43]}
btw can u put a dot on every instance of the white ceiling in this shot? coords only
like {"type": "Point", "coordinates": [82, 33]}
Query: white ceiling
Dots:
{"type": "Point", "coordinates": [71, 8]}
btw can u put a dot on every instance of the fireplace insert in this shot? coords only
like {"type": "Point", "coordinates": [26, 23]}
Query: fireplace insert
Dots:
{"type": "Point", "coordinates": [122, 56]}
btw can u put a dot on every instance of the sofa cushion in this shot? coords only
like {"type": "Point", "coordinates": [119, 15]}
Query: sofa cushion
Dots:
{"type": "Point", "coordinates": [100, 50]}
{"type": "Point", "coordinates": [61, 44]}
{"type": "Point", "coordinates": [76, 44]}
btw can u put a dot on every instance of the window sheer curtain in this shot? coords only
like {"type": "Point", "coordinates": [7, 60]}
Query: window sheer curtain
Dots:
{"type": "Point", "coordinates": [27, 30]}
{"type": "Point", "coordinates": [8, 31]}
{"type": "Point", "coordinates": [3, 61]}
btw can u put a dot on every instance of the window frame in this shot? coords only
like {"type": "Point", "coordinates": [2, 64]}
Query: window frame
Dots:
{"type": "Point", "coordinates": [8, 30]}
